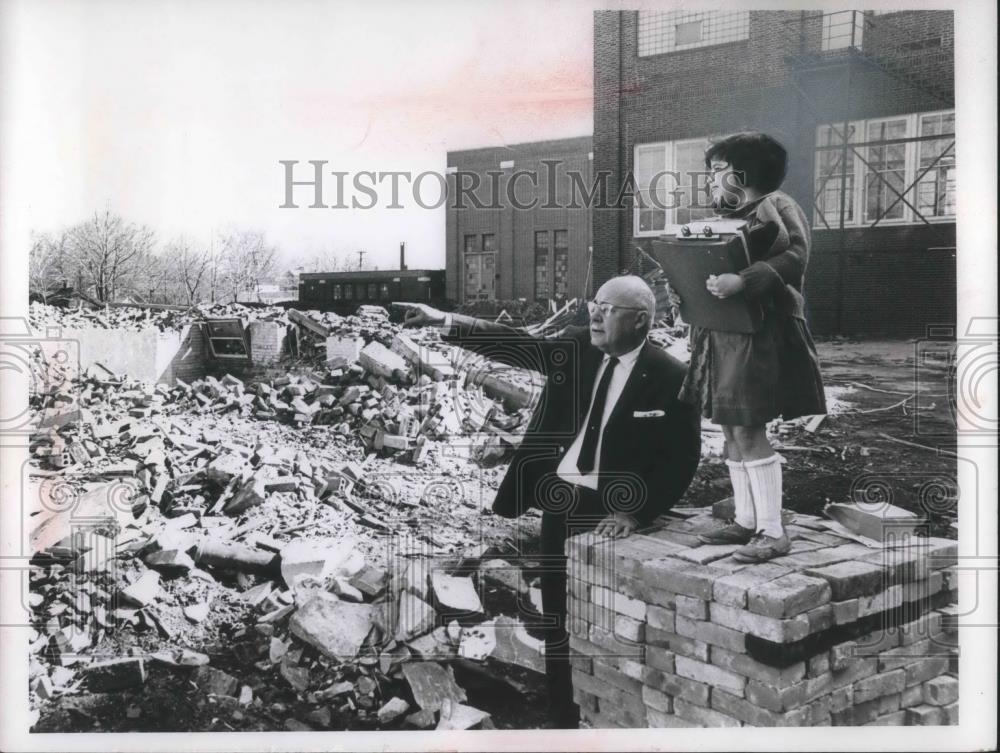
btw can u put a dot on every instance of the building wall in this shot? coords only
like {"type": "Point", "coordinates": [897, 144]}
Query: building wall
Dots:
{"type": "Point", "coordinates": [148, 355]}
{"type": "Point", "coordinates": [748, 84]}
{"type": "Point", "coordinates": [515, 228]}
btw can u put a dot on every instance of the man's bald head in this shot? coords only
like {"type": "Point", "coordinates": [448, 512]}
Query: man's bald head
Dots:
{"type": "Point", "coordinates": [629, 323]}
{"type": "Point", "coordinates": [631, 291]}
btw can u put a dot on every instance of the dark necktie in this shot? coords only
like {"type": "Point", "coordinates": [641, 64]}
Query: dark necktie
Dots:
{"type": "Point", "coordinates": [588, 451]}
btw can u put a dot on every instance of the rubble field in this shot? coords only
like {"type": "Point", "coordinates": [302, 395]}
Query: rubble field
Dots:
{"type": "Point", "coordinates": [314, 549]}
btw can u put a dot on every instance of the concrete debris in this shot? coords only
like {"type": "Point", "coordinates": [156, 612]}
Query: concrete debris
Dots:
{"type": "Point", "coordinates": [196, 612]}
{"type": "Point", "coordinates": [181, 657]}
{"type": "Point", "coordinates": [455, 594]}
{"type": "Point", "coordinates": [415, 617]}
{"type": "Point", "coordinates": [144, 590]}
{"type": "Point", "coordinates": [254, 491]}
{"type": "Point", "coordinates": [392, 709]}
{"type": "Point", "coordinates": [318, 559]}
{"type": "Point", "coordinates": [432, 684]}
{"type": "Point", "coordinates": [515, 646]}
{"type": "Point", "coordinates": [117, 674]}
{"type": "Point", "coordinates": [877, 522]}
{"type": "Point", "coordinates": [421, 719]}
{"type": "Point", "coordinates": [458, 716]}
{"type": "Point", "coordinates": [337, 629]}
{"type": "Point", "coordinates": [478, 642]}
{"type": "Point", "coordinates": [214, 681]}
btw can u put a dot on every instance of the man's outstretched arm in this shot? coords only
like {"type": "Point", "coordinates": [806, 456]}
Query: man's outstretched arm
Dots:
{"type": "Point", "coordinates": [497, 342]}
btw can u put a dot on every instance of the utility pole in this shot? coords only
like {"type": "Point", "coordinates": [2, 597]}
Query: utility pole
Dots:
{"type": "Point", "coordinates": [361, 259]}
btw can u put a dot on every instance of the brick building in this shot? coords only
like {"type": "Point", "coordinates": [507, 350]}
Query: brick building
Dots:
{"type": "Point", "coordinates": [516, 235]}
{"type": "Point", "coordinates": [882, 206]}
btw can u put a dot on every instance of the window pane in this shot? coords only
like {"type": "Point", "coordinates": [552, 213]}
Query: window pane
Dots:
{"type": "Point", "coordinates": [649, 160]}
{"type": "Point", "coordinates": [887, 171]}
{"type": "Point", "coordinates": [692, 201]}
{"type": "Point", "coordinates": [688, 32]}
{"type": "Point", "coordinates": [336, 292]}
{"type": "Point", "coordinates": [561, 254]}
{"type": "Point", "coordinates": [936, 189]}
{"type": "Point", "coordinates": [383, 292]}
{"type": "Point", "coordinates": [542, 264]}
{"type": "Point", "coordinates": [652, 219]}
{"type": "Point", "coordinates": [666, 31]}
{"type": "Point", "coordinates": [470, 243]}
{"type": "Point", "coordinates": [489, 242]}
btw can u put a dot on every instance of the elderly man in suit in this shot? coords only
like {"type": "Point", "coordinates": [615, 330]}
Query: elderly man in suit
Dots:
{"type": "Point", "coordinates": [609, 447]}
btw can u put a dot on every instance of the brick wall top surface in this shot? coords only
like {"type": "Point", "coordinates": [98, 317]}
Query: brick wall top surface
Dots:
{"type": "Point", "coordinates": [824, 581]}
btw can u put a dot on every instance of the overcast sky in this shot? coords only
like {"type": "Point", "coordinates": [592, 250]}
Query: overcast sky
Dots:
{"type": "Point", "coordinates": [175, 114]}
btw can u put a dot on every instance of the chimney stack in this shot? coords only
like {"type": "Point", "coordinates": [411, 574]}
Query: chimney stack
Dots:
{"type": "Point", "coordinates": [402, 256]}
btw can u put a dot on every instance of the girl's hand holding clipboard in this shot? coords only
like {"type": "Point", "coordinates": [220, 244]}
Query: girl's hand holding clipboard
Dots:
{"type": "Point", "coordinates": [723, 286]}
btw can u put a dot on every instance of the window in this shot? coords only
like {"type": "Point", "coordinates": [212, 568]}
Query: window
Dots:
{"type": "Point", "coordinates": [670, 180]}
{"type": "Point", "coordinates": [842, 30]}
{"type": "Point", "coordinates": [669, 31]}
{"type": "Point", "coordinates": [936, 166]}
{"type": "Point", "coordinates": [902, 172]}
{"type": "Point", "coordinates": [383, 291]}
{"type": "Point", "coordinates": [831, 175]}
{"type": "Point", "coordinates": [885, 175]}
{"type": "Point", "coordinates": [542, 291]}
{"type": "Point", "coordinates": [348, 292]}
{"type": "Point", "coordinates": [337, 292]}
{"type": "Point", "coordinates": [372, 291]}
{"type": "Point", "coordinates": [480, 267]}
{"type": "Point", "coordinates": [227, 338]}
{"type": "Point", "coordinates": [561, 277]}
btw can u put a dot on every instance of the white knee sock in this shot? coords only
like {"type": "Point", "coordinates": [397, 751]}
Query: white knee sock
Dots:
{"type": "Point", "coordinates": [741, 493]}
{"type": "Point", "coordinates": [765, 486]}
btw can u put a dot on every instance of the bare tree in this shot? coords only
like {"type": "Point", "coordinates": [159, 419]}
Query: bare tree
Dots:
{"type": "Point", "coordinates": [49, 262]}
{"type": "Point", "coordinates": [189, 267]}
{"type": "Point", "coordinates": [111, 254]}
{"type": "Point", "coordinates": [326, 260]}
{"type": "Point", "coordinates": [246, 260]}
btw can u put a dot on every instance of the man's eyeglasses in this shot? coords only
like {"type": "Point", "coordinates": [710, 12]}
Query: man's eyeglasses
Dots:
{"type": "Point", "coordinates": [607, 308]}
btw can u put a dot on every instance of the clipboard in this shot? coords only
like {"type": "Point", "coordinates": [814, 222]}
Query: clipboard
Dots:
{"type": "Point", "coordinates": [689, 258]}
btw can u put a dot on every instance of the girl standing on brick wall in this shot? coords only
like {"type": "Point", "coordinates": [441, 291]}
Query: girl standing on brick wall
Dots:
{"type": "Point", "coordinates": [742, 381]}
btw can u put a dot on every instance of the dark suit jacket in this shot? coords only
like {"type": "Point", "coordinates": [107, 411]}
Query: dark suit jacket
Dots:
{"type": "Point", "coordinates": [651, 444]}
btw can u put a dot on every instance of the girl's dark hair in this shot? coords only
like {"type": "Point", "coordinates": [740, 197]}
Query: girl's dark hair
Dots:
{"type": "Point", "coordinates": [760, 158]}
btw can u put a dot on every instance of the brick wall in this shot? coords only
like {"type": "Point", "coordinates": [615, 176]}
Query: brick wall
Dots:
{"type": "Point", "coordinates": [896, 280]}
{"type": "Point", "coordinates": [190, 359]}
{"type": "Point", "coordinates": [748, 84]}
{"type": "Point", "coordinates": [148, 355]}
{"type": "Point", "coordinates": [665, 632]}
{"type": "Point", "coordinates": [267, 342]}
{"type": "Point", "coordinates": [515, 228]}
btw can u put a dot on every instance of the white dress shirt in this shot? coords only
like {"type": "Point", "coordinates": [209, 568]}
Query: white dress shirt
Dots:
{"type": "Point", "coordinates": [567, 467]}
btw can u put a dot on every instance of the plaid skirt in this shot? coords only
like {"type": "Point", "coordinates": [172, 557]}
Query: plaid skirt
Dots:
{"type": "Point", "coordinates": [749, 379]}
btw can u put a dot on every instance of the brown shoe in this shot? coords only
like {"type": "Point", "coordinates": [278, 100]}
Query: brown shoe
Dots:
{"type": "Point", "coordinates": [763, 548]}
{"type": "Point", "coordinates": [733, 533]}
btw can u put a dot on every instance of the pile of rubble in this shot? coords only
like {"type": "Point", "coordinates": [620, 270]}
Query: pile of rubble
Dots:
{"type": "Point", "coordinates": [169, 513]}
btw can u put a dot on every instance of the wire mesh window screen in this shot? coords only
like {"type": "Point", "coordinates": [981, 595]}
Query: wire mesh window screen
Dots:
{"type": "Point", "coordinates": [668, 31]}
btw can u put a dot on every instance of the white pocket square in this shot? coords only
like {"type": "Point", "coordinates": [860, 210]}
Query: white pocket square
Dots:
{"type": "Point", "coordinates": [647, 414]}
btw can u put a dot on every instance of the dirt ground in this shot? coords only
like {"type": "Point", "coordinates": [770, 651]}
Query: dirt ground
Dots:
{"type": "Point", "coordinates": [879, 392]}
